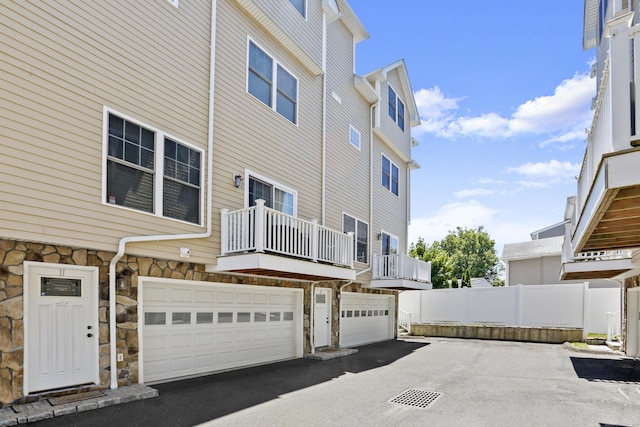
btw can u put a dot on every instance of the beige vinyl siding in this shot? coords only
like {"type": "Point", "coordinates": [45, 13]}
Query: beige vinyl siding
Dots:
{"type": "Point", "coordinates": [347, 187]}
{"type": "Point", "coordinates": [250, 135]}
{"type": "Point", "coordinates": [389, 211]}
{"type": "Point", "coordinates": [387, 125]}
{"type": "Point", "coordinates": [62, 62]}
{"type": "Point", "coordinates": [307, 33]}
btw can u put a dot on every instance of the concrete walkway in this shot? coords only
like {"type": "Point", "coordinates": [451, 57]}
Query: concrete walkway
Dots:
{"type": "Point", "coordinates": [43, 409]}
{"type": "Point", "coordinates": [417, 382]}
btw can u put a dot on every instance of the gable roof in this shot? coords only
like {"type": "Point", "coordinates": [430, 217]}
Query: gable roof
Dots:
{"type": "Point", "coordinates": [551, 246]}
{"type": "Point", "coordinates": [350, 20]}
{"type": "Point", "coordinates": [401, 68]}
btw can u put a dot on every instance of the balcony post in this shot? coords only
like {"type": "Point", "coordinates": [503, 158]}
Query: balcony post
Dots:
{"type": "Point", "coordinates": [634, 33]}
{"type": "Point", "coordinates": [351, 248]}
{"type": "Point", "coordinates": [619, 79]}
{"type": "Point", "coordinates": [224, 231]}
{"type": "Point", "coordinates": [315, 231]}
{"type": "Point", "coordinates": [400, 273]}
{"type": "Point", "coordinates": [260, 213]}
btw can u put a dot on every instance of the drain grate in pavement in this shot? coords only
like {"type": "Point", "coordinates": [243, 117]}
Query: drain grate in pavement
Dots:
{"type": "Point", "coordinates": [416, 398]}
{"type": "Point", "coordinates": [75, 397]}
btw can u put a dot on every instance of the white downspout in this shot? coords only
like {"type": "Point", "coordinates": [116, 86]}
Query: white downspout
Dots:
{"type": "Point", "coordinates": [324, 117]}
{"type": "Point", "coordinates": [206, 234]}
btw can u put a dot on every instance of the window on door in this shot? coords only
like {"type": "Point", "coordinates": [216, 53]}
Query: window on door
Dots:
{"type": "Point", "coordinates": [361, 233]}
{"type": "Point", "coordinates": [389, 244]}
{"type": "Point", "coordinates": [274, 195]}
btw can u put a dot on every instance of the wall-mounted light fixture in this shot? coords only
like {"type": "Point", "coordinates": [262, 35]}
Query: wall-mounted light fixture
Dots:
{"type": "Point", "coordinates": [123, 279]}
{"type": "Point", "coordinates": [379, 236]}
{"type": "Point", "coordinates": [237, 180]}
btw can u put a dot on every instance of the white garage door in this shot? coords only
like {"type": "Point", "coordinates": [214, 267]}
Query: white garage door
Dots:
{"type": "Point", "coordinates": [195, 328]}
{"type": "Point", "coordinates": [366, 318]}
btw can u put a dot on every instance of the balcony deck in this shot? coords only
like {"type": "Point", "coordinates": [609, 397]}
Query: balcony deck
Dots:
{"type": "Point", "coordinates": [263, 241]}
{"type": "Point", "coordinates": [400, 272]}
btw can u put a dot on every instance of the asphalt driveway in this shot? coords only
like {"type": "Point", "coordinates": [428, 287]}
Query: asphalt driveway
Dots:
{"type": "Point", "coordinates": [464, 382]}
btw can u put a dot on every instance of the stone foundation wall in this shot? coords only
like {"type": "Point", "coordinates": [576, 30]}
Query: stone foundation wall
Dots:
{"type": "Point", "coordinates": [14, 253]}
{"type": "Point", "coordinates": [504, 333]}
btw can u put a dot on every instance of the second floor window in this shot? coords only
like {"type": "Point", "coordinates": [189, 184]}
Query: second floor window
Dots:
{"type": "Point", "coordinates": [274, 196]}
{"type": "Point", "coordinates": [269, 82]}
{"type": "Point", "coordinates": [390, 174]}
{"type": "Point", "coordinates": [389, 244]}
{"type": "Point", "coordinates": [133, 178]}
{"type": "Point", "coordinates": [360, 230]}
{"type": "Point", "coordinates": [396, 108]}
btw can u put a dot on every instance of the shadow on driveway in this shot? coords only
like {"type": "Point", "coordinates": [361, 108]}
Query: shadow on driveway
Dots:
{"type": "Point", "coordinates": [607, 370]}
{"type": "Point", "coordinates": [194, 401]}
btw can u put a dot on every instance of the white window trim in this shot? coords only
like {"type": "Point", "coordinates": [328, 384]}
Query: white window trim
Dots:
{"type": "Point", "coordinates": [274, 83]}
{"type": "Point", "coordinates": [352, 129]}
{"type": "Point", "coordinates": [158, 177]}
{"type": "Point", "coordinates": [392, 236]}
{"type": "Point", "coordinates": [355, 236]}
{"type": "Point", "coordinates": [391, 164]}
{"type": "Point", "coordinates": [395, 119]}
{"type": "Point", "coordinates": [275, 184]}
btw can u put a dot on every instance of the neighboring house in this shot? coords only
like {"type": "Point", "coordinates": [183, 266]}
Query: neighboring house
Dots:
{"type": "Point", "coordinates": [603, 229]}
{"type": "Point", "coordinates": [538, 261]}
{"type": "Point", "coordinates": [190, 186]}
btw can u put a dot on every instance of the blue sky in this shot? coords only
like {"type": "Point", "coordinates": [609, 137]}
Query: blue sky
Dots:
{"type": "Point", "coordinates": [504, 95]}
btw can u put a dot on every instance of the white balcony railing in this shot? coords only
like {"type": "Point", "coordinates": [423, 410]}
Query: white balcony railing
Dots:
{"type": "Point", "coordinates": [262, 229]}
{"type": "Point", "coordinates": [400, 266]}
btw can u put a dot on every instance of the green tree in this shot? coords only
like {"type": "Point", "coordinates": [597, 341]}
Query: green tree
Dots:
{"type": "Point", "coordinates": [472, 250]}
{"type": "Point", "coordinates": [440, 266]}
{"type": "Point", "coordinates": [463, 253]}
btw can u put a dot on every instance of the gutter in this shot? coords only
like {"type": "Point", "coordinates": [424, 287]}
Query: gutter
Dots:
{"type": "Point", "coordinates": [123, 242]}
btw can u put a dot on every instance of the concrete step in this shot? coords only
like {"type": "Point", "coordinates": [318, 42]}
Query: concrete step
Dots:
{"type": "Point", "coordinates": [614, 345]}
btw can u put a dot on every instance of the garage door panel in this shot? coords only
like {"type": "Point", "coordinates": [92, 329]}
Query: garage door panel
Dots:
{"type": "Point", "coordinates": [365, 318]}
{"type": "Point", "coordinates": [211, 327]}
{"type": "Point", "coordinates": [204, 297]}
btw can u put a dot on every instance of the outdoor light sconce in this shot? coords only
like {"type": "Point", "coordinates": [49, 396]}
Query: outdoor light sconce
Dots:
{"type": "Point", "coordinates": [123, 280]}
{"type": "Point", "coordinates": [237, 180]}
{"type": "Point", "coordinates": [379, 236]}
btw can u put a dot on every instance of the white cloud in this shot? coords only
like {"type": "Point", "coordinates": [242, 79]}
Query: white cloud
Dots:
{"type": "Point", "coordinates": [472, 192]}
{"type": "Point", "coordinates": [469, 214]}
{"type": "Point", "coordinates": [563, 116]}
{"type": "Point", "coordinates": [551, 169]}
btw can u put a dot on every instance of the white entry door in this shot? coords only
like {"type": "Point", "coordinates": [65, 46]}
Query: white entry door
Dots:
{"type": "Point", "coordinates": [61, 326]}
{"type": "Point", "coordinates": [322, 317]}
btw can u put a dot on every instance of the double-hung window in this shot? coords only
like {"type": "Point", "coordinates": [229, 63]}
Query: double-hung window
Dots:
{"type": "Point", "coordinates": [361, 234]}
{"type": "Point", "coordinates": [396, 108]}
{"type": "Point", "coordinates": [390, 174]}
{"type": "Point", "coordinates": [269, 82]}
{"type": "Point", "coordinates": [275, 196]}
{"type": "Point", "coordinates": [148, 171]}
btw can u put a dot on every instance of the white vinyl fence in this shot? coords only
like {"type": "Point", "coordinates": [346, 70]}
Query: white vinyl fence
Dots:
{"type": "Point", "coordinates": [557, 306]}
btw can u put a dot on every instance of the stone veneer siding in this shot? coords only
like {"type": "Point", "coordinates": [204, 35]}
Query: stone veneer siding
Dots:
{"type": "Point", "coordinates": [14, 253]}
